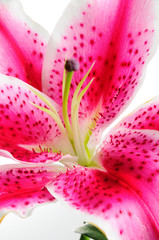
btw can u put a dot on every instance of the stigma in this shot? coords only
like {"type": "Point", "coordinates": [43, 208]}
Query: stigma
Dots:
{"type": "Point", "coordinates": [71, 65]}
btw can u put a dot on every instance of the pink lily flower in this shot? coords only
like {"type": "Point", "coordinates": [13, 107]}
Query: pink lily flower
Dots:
{"type": "Point", "coordinates": [52, 119]}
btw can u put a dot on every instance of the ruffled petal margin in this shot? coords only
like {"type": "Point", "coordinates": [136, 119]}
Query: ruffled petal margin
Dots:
{"type": "Point", "coordinates": [22, 187]}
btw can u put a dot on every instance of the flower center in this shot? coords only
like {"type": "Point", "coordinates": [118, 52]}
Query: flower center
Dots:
{"type": "Point", "coordinates": [70, 126]}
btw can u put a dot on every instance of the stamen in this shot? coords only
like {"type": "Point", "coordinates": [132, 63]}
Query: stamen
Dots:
{"type": "Point", "coordinates": [82, 151]}
{"type": "Point", "coordinates": [92, 125]}
{"type": "Point", "coordinates": [60, 125]}
{"type": "Point", "coordinates": [76, 142]}
{"type": "Point", "coordinates": [79, 143]}
{"type": "Point", "coordinates": [84, 91]}
{"type": "Point", "coordinates": [80, 85]}
{"type": "Point", "coordinates": [45, 101]}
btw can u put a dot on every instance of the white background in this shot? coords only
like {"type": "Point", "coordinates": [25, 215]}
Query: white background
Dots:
{"type": "Point", "coordinates": [55, 222]}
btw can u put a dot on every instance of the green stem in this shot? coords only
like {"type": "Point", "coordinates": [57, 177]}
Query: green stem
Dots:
{"type": "Point", "coordinates": [83, 237]}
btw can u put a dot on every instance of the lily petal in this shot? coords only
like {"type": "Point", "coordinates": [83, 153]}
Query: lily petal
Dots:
{"type": "Point", "coordinates": [144, 117]}
{"type": "Point", "coordinates": [22, 44]}
{"type": "Point", "coordinates": [120, 36]}
{"type": "Point", "coordinates": [110, 203]}
{"type": "Point", "coordinates": [131, 153]}
{"type": "Point", "coordinates": [22, 187]}
{"type": "Point", "coordinates": [22, 125]}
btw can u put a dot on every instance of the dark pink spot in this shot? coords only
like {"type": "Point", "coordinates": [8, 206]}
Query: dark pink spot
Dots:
{"type": "Point", "coordinates": [80, 58]}
{"type": "Point", "coordinates": [10, 70]}
{"type": "Point", "coordinates": [41, 55]}
{"type": "Point", "coordinates": [109, 206]}
{"type": "Point", "coordinates": [131, 42]}
{"type": "Point", "coordinates": [81, 36]}
{"type": "Point", "coordinates": [136, 51]}
{"type": "Point", "coordinates": [82, 45]}
{"type": "Point", "coordinates": [90, 59]}
{"type": "Point", "coordinates": [92, 42]}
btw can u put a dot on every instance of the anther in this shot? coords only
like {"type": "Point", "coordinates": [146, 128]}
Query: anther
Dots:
{"type": "Point", "coordinates": [71, 65]}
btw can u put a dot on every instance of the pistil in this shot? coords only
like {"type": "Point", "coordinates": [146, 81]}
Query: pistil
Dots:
{"type": "Point", "coordinates": [65, 104]}
{"type": "Point", "coordinates": [73, 128]}
{"type": "Point", "coordinates": [76, 144]}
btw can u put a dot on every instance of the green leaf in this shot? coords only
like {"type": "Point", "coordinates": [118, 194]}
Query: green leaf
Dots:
{"type": "Point", "coordinates": [91, 231]}
{"type": "Point", "coordinates": [83, 237]}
